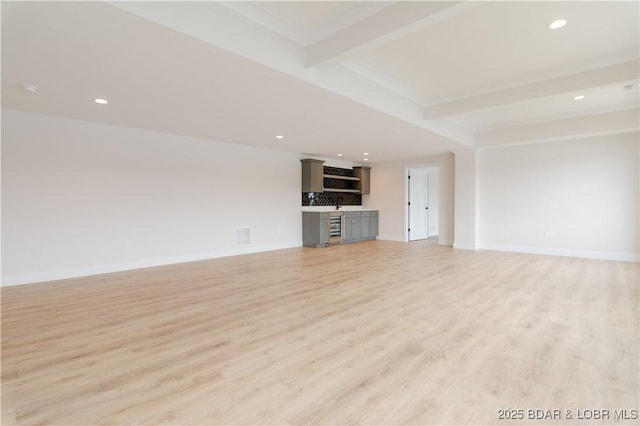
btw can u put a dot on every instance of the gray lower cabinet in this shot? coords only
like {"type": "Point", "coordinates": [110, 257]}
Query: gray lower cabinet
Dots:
{"type": "Point", "coordinates": [361, 225]}
{"type": "Point", "coordinates": [314, 229]}
{"type": "Point", "coordinates": [358, 226]}
{"type": "Point", "coordinates": [352, 226]}
{"type": "Point", "coordinates": [369, 224]}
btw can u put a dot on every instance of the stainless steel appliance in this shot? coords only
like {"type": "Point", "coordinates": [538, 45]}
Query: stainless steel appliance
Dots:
{"type": "Point", "coordinates": [335, 228]}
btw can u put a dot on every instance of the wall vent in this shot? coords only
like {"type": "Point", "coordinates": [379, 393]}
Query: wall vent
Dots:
{"type": "Point", "coordinates": [243, 236]}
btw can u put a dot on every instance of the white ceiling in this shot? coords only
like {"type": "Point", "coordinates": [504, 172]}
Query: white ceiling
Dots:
{"type": "Point", "coordinates": [395, 79]}
{"type": "Point", "coordinates": [306, 22]}
{"type": "Point", "coordinates": [502, 44]}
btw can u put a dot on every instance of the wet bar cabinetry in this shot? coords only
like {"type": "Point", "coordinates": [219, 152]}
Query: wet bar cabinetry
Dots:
{"type": "Point", "coordinates": [360, 225]}
{"type": "Point", "coordinates": [315, 229]}
{"type": "Point", "coordinates": [316, 177]}
{"type": "Point", "coordinates": [312, 171]}
{"type": "Point", "coordinates": [354, 226]}
{"type": "Point", "coordinates": [363, 173]}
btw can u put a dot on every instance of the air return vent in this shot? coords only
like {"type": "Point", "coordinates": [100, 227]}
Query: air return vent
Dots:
{"type": "Point", "coordinates": [243, 236]}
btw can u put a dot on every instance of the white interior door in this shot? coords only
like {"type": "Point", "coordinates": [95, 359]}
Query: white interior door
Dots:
{"type": "Point", "coordinates": [418, 204]}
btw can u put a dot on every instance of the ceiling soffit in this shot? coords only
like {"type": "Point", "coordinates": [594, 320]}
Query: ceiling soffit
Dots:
{"type": "Point", "coordinates": [455, 72]}
{"type": "Point", "coordinates": [388, 55]}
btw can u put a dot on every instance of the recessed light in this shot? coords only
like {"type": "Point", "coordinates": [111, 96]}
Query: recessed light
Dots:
{"type": "Point", "coordinates": [339, 155]}
{"type": "Point", "coordinates": [579, 97]}
{"type": "Point", "coordinates": [101, 101]}
{"type": "Point", "coordinates": [279, 137]}
{"type": "Point", "coordinates": [365, 159]}
{"type": "Point", "coordinates": [559, 23]}
{"type": "Point", "coordinates": [365, 153]}
{"type": "Point", "coordinates": [29, 88]}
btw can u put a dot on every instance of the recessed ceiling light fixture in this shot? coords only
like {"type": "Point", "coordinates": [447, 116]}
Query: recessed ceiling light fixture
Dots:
{"type": "Point", "coordinates": [365, 159]}
{"type": "Point", "coordinates": [100, 101]}
{"type": "Point", "coordinates": [279, 137]}
{"type": "Point", "coordinates": [339, 155]}
{"type": "Point", "coordinates": [29, 88]}
{"type": "Point", "coordinates": [578, 98]}
{"type": "Point", "coordinates": [365, 153]}
{"type": "Point", "coordinates": [558, 23]}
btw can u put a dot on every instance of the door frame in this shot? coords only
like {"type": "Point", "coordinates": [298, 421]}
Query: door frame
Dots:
{"type": "Point", "coordinates": [409, 202]}
{"type": "Point", "coordinates": [407, 168]}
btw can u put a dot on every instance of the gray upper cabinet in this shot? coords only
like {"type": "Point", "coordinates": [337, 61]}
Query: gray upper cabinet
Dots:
{"type": "Point", "coordinates": [312, 175]}
{"type": "Point", "coordinates": [364, 173]}
{"type": "Point", "coordinates": [313, 179]}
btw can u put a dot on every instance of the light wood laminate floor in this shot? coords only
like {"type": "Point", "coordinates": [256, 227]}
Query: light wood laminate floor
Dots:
{"type": "Point", "coordinates": [372, 333]}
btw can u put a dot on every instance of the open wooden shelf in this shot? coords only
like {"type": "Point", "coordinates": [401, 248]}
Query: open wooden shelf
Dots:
{"type": "Point", "coordinates": [342, 177]}
{"type": "Point", "coordinates": [355, 191]}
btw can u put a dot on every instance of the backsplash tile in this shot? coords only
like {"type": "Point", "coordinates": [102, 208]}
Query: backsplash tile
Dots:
{"type": "Point", "coordinates": [330, 199]}
{"type": "Point", "coordinates": [337, 171]}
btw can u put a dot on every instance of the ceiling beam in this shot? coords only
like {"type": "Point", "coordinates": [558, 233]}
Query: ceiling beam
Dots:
{"type": "Point", "coordinates": [616, 122]}
{"type": "Point", "coordinates": [397, 20]}
{"type": "Point", "coordinates": [588, 79]}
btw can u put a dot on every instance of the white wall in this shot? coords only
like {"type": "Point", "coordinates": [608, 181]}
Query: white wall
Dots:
{"type": "Point", "coordinates": [466, 201]}
{"type": "Point", "coordinates": [80, 198]}
{"type": "Point", "coordinates": [574, 197]}
{"type": "Point", "coordinates": [585, 192]}
{"type": "Point", "coordinates": [389, 194]}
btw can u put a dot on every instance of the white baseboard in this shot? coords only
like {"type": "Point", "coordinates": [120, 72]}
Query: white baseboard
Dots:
{"type": "Point", "coordinates": [390, 238]}
{"type": "Point", "coordinates": [146, 263]}
{"type": "Point", "coordinates": [448, 243]}
{"type": "Point", "coordinates": [84, 271]}
{"type": "Point", "coordinates": [465, 246]}
{"type": "Point", "coordinates": [587, 254]}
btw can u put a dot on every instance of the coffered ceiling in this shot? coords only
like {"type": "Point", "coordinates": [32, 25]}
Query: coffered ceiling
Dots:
{"type": "Point", "coordinates": [394, 79]}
